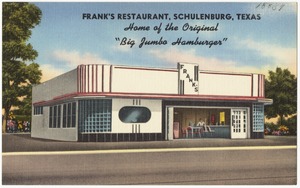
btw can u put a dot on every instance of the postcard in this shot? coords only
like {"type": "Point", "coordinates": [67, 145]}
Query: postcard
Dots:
{"type": "Point", "coordinates": [149, 93]}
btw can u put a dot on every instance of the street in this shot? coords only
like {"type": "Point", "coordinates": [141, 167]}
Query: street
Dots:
{"type": "Point", "coordinates": [215, 167]}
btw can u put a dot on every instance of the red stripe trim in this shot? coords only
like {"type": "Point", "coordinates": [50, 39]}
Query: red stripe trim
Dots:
{"type": "Point", "coordinates": [88, 78]}
{"type": "Point", "coordinates": [264, 86]}
{"type": "Point", "coordinates": [78, 70]}
{"type": "Point", "coordinates": [92, 78]}
{"type": "Point", "coordinates": [251, 85]}
{"type": "Point", "coordinates": [110, 78]}
{"type": "Point", "coordinates": [258, 84]}
{"type": "Point", "coordinates": [81, 78]}
{"type": "Point", "coordinates": [150, 96]}
{"type": "Point", "coordinates": [96, 78]}
{"type": "Point", "coordinates": [82, 90]}
{"type": "Point", "coordinates": [84, 80]}
{"type": "Point", "coordinates": [102, 78]}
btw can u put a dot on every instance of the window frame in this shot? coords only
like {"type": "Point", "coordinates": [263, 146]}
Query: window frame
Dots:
{"type": "Point", "coordinates": [95, 115]}
{"type": "Point", "coordinates": [131, 109]}
{"type": "Point", "coordinates": [38, 110]}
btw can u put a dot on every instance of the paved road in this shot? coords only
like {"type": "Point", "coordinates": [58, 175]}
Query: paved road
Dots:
{"type": "Point", "coordinates": [216, 167]}
{"type": "Point", "coordinates": [195, 162]}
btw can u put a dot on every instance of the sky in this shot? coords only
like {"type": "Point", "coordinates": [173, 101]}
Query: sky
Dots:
{"type": "Point", "coordinates": [264, 38]}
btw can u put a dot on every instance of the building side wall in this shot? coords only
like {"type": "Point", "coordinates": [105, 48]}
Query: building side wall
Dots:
{"type": "Point", "coordinates": [152, 126]}
{"type": "Point", "coordinates": [40, 129]}
{"type": "Point", "coordinates": [58, 86]}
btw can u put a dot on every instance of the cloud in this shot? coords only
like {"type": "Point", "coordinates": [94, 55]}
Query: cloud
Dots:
{"type": "Point", "coordinates": [174, 55]}
{"type": "Point", "coordinates": [49, 72]}
{"type": "Point", "coordinates": [122, 48]}
{"type": "Point", "coordinates": [74, 58]}
{"type": "Point", "coordinates": [280, 56]}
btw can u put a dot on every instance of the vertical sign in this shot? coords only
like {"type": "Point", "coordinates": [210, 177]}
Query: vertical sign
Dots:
{"type": "Point", "coordinates": [188, 78]}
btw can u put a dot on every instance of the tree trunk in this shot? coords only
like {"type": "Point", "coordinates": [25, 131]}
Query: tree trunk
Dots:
{"type": "Point", "coordinates": [4, 118]}
{"type": "Point", "coordinates": [281, 119]}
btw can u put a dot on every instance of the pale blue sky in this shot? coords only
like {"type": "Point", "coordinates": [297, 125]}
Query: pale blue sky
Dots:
{"type": "Point", "coordinates": [64, 40]}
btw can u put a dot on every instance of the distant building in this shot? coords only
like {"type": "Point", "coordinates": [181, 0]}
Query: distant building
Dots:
{"type": "Point", "coordinates": [104, 103]}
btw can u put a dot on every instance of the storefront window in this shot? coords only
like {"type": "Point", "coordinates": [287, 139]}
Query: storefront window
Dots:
{"type": "Point", "coordinates": [205, 122]}
{"type": "Point", "coordinates": [73, 114]}
{"type": "Point", "coordinates": [258, 117]}
{"type": "Point", "coordinates": [50, 116]}
{"type": "Point", "coordinates": [38, 110]}
{"type": "Point", "coordinates": [94, 115]}
{"type": "Point", "coordinates": [132, 114]}
{"type": "Point", "coordinates": [69, 115]}
{"type": "Point", "coordinates": [54, 116]}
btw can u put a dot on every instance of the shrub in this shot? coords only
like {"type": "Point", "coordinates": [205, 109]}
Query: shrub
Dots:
{"type": "Point", "coordinates": [289, 127]}
{"type": "Point", "coordinates": [270, 127]}
{"type": "Point", "coordinates": [291, 124]}
{"type": "Point", "coordinates": [283, 130]}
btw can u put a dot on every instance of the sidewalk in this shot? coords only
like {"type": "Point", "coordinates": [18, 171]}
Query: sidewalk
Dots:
{"type": "Point", "coordinates": [23, 142]}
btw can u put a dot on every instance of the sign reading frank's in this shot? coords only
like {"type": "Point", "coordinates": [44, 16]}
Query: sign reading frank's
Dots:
{"type": "Point", "coordinates": [188, 78]}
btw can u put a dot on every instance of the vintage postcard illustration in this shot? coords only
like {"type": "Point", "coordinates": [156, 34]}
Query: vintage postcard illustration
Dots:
{"type": "Point", "coordinates": [149, 93]}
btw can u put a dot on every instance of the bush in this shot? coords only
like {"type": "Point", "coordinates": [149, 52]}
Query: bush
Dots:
{"type": "Point", "coordinates": [288, 127]}
{"type": "Point", "coordinates": [270, 128]}
{"type": "Point", "coordinates": [291, 124]}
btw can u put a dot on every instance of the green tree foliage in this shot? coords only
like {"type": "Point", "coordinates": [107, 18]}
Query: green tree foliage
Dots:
{"type": "Point", "coordinates": [281, 86]}
{"type": "Point", "coordinates": [18, 74]}
{"type": "Point", "coordinates": [291, 123]}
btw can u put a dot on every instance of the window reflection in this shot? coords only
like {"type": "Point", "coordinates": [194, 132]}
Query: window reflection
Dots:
{"type": "Point", "coordinates": [130, 114]}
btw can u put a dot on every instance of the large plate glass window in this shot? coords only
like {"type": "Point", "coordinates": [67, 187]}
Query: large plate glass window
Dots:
{"type": "Point", "coordinates": [133, 114]}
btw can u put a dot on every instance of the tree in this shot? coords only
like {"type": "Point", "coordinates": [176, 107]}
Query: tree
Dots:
{"type": "Point", "coordinates": [18, 74]}
{"type": "Point", "coordinates": [281, 86]}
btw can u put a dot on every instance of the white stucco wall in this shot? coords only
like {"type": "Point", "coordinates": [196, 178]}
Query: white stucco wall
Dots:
{"type": "Point", "coordinates": [58, 86]}
{"type": "Point", "coordinates": [49, 90]}
{"type": "Point", "coordinates": [144, 81]}
{"type": "Point", "coordinates": [225, 84]}
{"type": "Point", "coordinates": [40, 128]}
{"type": "Point", "coordinates": [152, 126]}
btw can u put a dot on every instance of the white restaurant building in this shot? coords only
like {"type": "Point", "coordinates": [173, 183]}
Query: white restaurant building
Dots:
{"type": "Point", "coordinates": [108, 103]}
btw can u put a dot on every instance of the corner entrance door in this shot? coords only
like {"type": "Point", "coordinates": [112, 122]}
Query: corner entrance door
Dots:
{"type": "Point", "coordinates": [169, 123]}
{"type": "Point", "coordinates": [239, 123]}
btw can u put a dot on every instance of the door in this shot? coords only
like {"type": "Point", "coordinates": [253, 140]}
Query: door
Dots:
{"type": "Point", "coordinates": [239, 123]}
{"type": "Point", "coordinates": [169, 123]}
